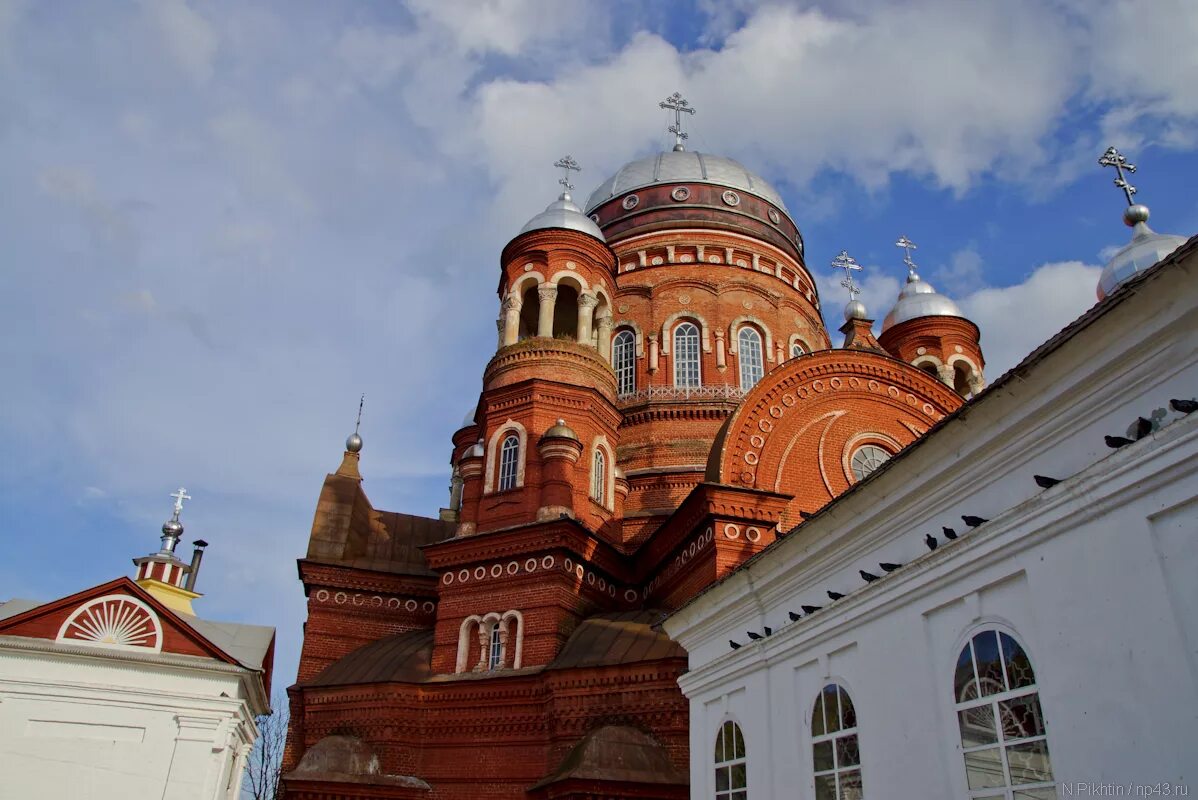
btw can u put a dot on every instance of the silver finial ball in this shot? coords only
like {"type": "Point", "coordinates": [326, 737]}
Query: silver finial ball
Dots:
{"type": "Point", "coordinates": [855, 310]}
{"type": "Point", "coordinates": [172, 527]}
{"type": "Point", "coordinates": [1135, 214]}
{"type": "Point", "coordinates": [354, 443]}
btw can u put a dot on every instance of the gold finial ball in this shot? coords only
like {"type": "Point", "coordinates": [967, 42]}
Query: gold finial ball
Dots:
{"type": "Point", "coordinates": [1135, 214]}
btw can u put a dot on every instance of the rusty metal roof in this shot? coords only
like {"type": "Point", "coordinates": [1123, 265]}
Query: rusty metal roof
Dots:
{"type": "Point", "coordinates": [403, 657]}
{"type": "Point", "coordinates": [617, 753]}
{"type": "Point", "coordinates": [624, 638]}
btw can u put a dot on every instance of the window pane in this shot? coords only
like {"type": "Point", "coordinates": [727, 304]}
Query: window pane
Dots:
{"type": "Point", "coordinates": [847, 752]}
{"type": "Point", "coordinates": [1021, 717]}
{"type": "Point", "coordinates": [624, 361]}
{"type": "Point", "coordinates": [831, 709]}
{"type": "Point", "coordinates": [1029, 762]}
{"type": "Point", "coordinates": [965, 686]}
{"type": "Point", "coordinates": [1019, 667]}
{"type": "Point", "coordinates": [738, 776]}
{"type": "Point", "coordinates": [509, 458]}
{"type": "Point", "coordinates": [748, 350]}
{"type": "Point", "coordinates": [825, 787]}
{"type": "Point", "coordinates": [977, 726]}
{"type": "Point", "coordinates": [817, 716]}
{"type": "Point", "coordinates": [848, 714]}
{"type": "Point", "coordinates": [822, 754]}
{"type": "Point", "coordinates": [686, 355]}
{"type": "Point", "coordinates": [985, 648]}
{"type": "Point", "coordinates": [740, 742]}
{"type": "Point", "coordinates": [719, 746]}
{"type": "Point", "coordinates": [738, 796]}
{"type": "Point", "coordinates": [722, 775]}
{"type": "Point", "coordinates": [983, 768]}
{"type": "Point", "coordinates": [850, 785]}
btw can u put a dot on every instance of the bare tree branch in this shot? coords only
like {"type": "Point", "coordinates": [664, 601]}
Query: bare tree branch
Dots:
{"type": "Point", "coordinates": [261, 779]}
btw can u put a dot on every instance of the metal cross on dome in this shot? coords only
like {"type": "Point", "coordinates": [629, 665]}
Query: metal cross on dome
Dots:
{"type": "Point", "coordinates": [1113, 158]}
{"type": "Point", "coordinates": [361, 403]}
{"type": "Point", "coordinates": [907, 246]}
{"type": "Point", "coordinates": [565, 164]}
{"type": "Point", "coordinates": [679, 106]}
{"type": "Point", "coordinates": [180, 496]}
{"type": "Point", "coordinates": [848, 264]}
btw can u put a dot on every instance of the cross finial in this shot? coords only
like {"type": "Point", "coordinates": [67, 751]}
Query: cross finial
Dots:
{"type": "Point", "coordinates": [679, 106]}
{"type": "Point", "coordinates": [180, 496]}
{"type": "Point", "coordinates": [361, 403]}
{"type": "Point", "coordinates": [908, 246]}
{"type": "Point", "coordinates": [848, 264]}
{"type": "Point", "coordinates": [566, 164]}
{"type": "Point", "coordinates": [1113, 158]}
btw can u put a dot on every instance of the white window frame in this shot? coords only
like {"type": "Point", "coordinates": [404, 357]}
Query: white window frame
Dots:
{"type": "Point", "coordinates": [730, 762]}
{"type": "Point", "coordinates": [599, 476]}
{"type": "Point", "coordinates": [495, 656]}
{"type": "Point", "coordinates": [623, 361]}
{"type": "Point", "coordinates": [688, 358]}
{"type": "Point", "coordinates": [509, 467]}
{"type": "Point", "coordinates": [993, 703]}
{"type": "Point", "coordinates": [829, 737]}
{"type": "Point", "coordinates": [868, 460]}
{"type": "Point", "coordinates": [750, 356]}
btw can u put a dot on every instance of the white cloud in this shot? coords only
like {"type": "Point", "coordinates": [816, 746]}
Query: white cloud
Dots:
{"type": "Point", "coordinates": [188, 37]}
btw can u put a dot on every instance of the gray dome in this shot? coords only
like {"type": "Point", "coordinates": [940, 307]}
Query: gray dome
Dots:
{"type": "Point", "coordinates": [919, 299]}
{"type": "Point", "coordinates": [561, 430]}
{"type": "Point", "coordinates": [468, 420]}
{"type": "Point", "coordinates": [354, 443]}
{"type": "Point", "coordinates": [1145, 249]}
{"type": "Point", "coordinates": [683, 167]}
{"type": "Point", "coordinates": [562, 213]}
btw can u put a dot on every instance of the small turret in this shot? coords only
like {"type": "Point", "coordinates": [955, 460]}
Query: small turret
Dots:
{"type": "Point", "coordinates": [163, 574]}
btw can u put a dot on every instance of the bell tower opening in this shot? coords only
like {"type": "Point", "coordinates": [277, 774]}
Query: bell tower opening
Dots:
{"type": "Point", "coordinates": [529, 308]}
{"type": "Point", "coordinates": [565, 312]}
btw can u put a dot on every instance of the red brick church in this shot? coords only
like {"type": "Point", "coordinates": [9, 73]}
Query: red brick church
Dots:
{"type": "Point", "coordinates": [663, 403]}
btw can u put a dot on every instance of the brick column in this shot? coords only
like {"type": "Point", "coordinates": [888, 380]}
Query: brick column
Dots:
{"type": "Point", "coordinates": [586, 312]}
{"type": "Point", "coordinates": [547, 292]}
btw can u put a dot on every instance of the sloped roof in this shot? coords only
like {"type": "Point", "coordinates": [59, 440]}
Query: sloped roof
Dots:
{"type": "Point", "coordinates": [618, 753]}
{"type": "Point", "coordinates": [404, 657]}
{"type": "Point", "coordinates": [622, 638]}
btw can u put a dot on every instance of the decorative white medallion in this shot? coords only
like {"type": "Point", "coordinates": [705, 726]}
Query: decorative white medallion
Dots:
{"type": "Point", "coordinates": [731, 198]}
{"type": "Point", "coordinates": [630, 202]}
{"type": "Point", "coordinates": [115, 620]}
{"type": "Point", "coordinates": [680, 193]}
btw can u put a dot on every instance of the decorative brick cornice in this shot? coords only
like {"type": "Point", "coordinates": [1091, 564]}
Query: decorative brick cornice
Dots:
{"type": "Point", "coordinates": [317, 574]}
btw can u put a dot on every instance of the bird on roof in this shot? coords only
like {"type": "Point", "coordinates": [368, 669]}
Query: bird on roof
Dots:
{"type": "Point", "coordinates": [834, 595]}
{"type": "Point", "coordinates": [931, 542]}
{"type": "Point", "coordinates": [754, 636]}
{"type": "Point", "coordinates": [1115, 442]}
{"type": "Point", "coordinates": [1184, 406]}
{"type": "Point", "coordinates": [810, 609]}
{"type": "Point", "coordinates": [972, 521]}
{"type": "Point", "coordinates": [868, 577]}
{"type": "Point", "coordinates": [1143, 427]}
{"type": "Point", "coordinates": [735, 646]}
{"type": "Point", "coordinates": [888, 566]}
{"type": "Point", "coordinates": [793, 616]}
{"type": "Point", "coordinates": [949, 533]}
{"type": "Point", "coordinates": [1045, 482]}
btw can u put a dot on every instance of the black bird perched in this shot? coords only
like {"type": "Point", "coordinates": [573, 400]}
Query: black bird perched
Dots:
{"type": "Point", "coordinates": [834, 595]}
{"type": "Point", "coordinates": [1184, 406]}
{"type": "Point", "coordinates": [868, 577]}
{"type": "Point", "coordinates": [1143, 427]}
{"type": "Point", "coordinates": [1115, 442]}
{"type": "Point", "coordinates": [949, 533]}
{"type": "Point", "coordinates": [793, 616]}
{"type": "Point", "coordinates": [931, 542]}
{"type": "Point", "coordinates": [1045, 482]}
{"type": "Point", "coordinates": [768, 630]}
{"type": "Point", "coordinates": [889, 567]}
{"type": "Point", "coordinates": [811, 609]}
{"type": "Point", "coordinates": [973, 522]}
{"type": "Point", "coordinates": [806, 514]}
{"type": "Point", "coordinates": [735, 646]}
{"type": "Point", "coordinates": [754, 636]}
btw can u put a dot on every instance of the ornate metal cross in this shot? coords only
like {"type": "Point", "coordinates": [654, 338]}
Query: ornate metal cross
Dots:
{"type": "Point", "coordinates": [180, 496]}
{"type": "Point", "coordinates": [679, 106]}
{"type": "Point", "coordinates": [361, 403]}
{"type": "Point", "coordinates": [1113, 158]}
{"type": "Point", "coordinates": [848, 264]}
{"type": "Point", "coordinates": [566, 164]}
{"type": "Point", "coordinates": [907, 246]}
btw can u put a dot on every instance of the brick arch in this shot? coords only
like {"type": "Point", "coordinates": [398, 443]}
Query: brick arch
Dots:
{"type": "Point", "coordinates": [789, 434]}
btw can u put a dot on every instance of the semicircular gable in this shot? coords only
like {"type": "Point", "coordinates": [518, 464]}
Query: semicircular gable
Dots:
{"type": "Point", "coordinates": [796, 431]}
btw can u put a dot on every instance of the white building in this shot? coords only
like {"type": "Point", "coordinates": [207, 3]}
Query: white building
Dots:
{"type": "Point", "coordinates": [1090, 586]}
{"type": "Point", "coordinates": [119, 691]}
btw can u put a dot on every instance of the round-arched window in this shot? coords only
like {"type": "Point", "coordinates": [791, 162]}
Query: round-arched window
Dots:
{"type": "Point", "coordinates": [623, 360]}
{"type": "Point", "coordinates": [731, 781]}
{"type": "Point", "coordinates": [835, 751]}
{"type": "Point", "coordinates": [599, 477]}
{"type": "Point", "coordinates": [867, 458]}
{"type": "Point", "coordinates": [686, 355]}
{"type": "Point", "coordinates": [748, 350]}
{"type": "Point", "coordinates": [796, 349]}
{"type": "Point", "coordinates": [509, 462]}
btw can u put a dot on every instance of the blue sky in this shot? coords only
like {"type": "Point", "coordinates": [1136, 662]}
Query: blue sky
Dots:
{"type": "Point", "coordinates": [223, 221]}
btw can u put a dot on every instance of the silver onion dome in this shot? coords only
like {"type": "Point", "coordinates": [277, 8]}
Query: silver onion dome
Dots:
{"type": "Point", "coordinates": [1146, 248]}
{"type": "Point", "coordinates": [476, 450]}
{"type": "Point", "coordinates": [563, 213]}
{"type": "Point", "coordinates": [855, 309]}
{"type": "Point", "coordinates": [684, 167]}
{"type": "Point", "coordinates": [919, 299]}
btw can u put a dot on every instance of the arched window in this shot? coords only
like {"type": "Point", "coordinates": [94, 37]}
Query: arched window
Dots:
{"type": "Point", "coordinates": [748, 350]}
{"type": "Point", "coordinates": [686, 355]}
{"type": "Point", "coordinates": [623, 359]}
{"type": "Point", "coordinates": [495, 659]}
{"type": "Point", "coordinates": [796, 349]}
{"type": "Point", "coordinates": [509, 462]}
{"type": "Point", "coordinates": [598, 476]}
{"type": "Point", "coordinates": [730, 779]}
{"type": "Point", "coordinates": [834, 747]}
{"type": "Point", "coordinates": [1003, 736]}
{"type": "Point", "coordinates": [867, 458]}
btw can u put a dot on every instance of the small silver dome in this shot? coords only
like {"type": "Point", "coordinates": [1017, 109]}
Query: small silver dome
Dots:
{"type": "Point", "coordinates": [1145, 249]}
{"type": "Point", "coordinates": [354, 443]}
{"type": "Point", "coordinates": [561, 431]}
{"type": "Point", "coordinates": [684, 167]}
{"type": "Point", "coordinates": [173, 528]}
{"type": "Point", "coordinates": [918, 299]}
{"type": "Point", "coordinates": [476, 450]}
{"type": "Point", "coordinates": [855, 309]}
{"type": "Point", "coordinates": [563, 213]}
{"type": "Point", "coordinates": [468, 420]}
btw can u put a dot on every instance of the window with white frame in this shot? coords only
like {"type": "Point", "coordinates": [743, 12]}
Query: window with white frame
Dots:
{"type": "Point", "coordinates": [731, 782]}
{"type": "Point", "coordinates": [509, 461]}
{"type": "Point", "coordinates": [495, 659]}
{"type": "Point", "coordinates": [748, 350]}
{"type": "Point", "coordinates": [623, 359]}
{"type": "Point", "coordinates": [796, 349]}
{"type": "Point", "coordinates": [598, 476]}
{"type": "Point", "coordinates": [1003, 736]}
{"type": "Point", "coordinates": [835, 750]}
{"type": "Point", "coordinates": [686, 355]}
{"type": "Point", "coordinates": [866, 459]}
